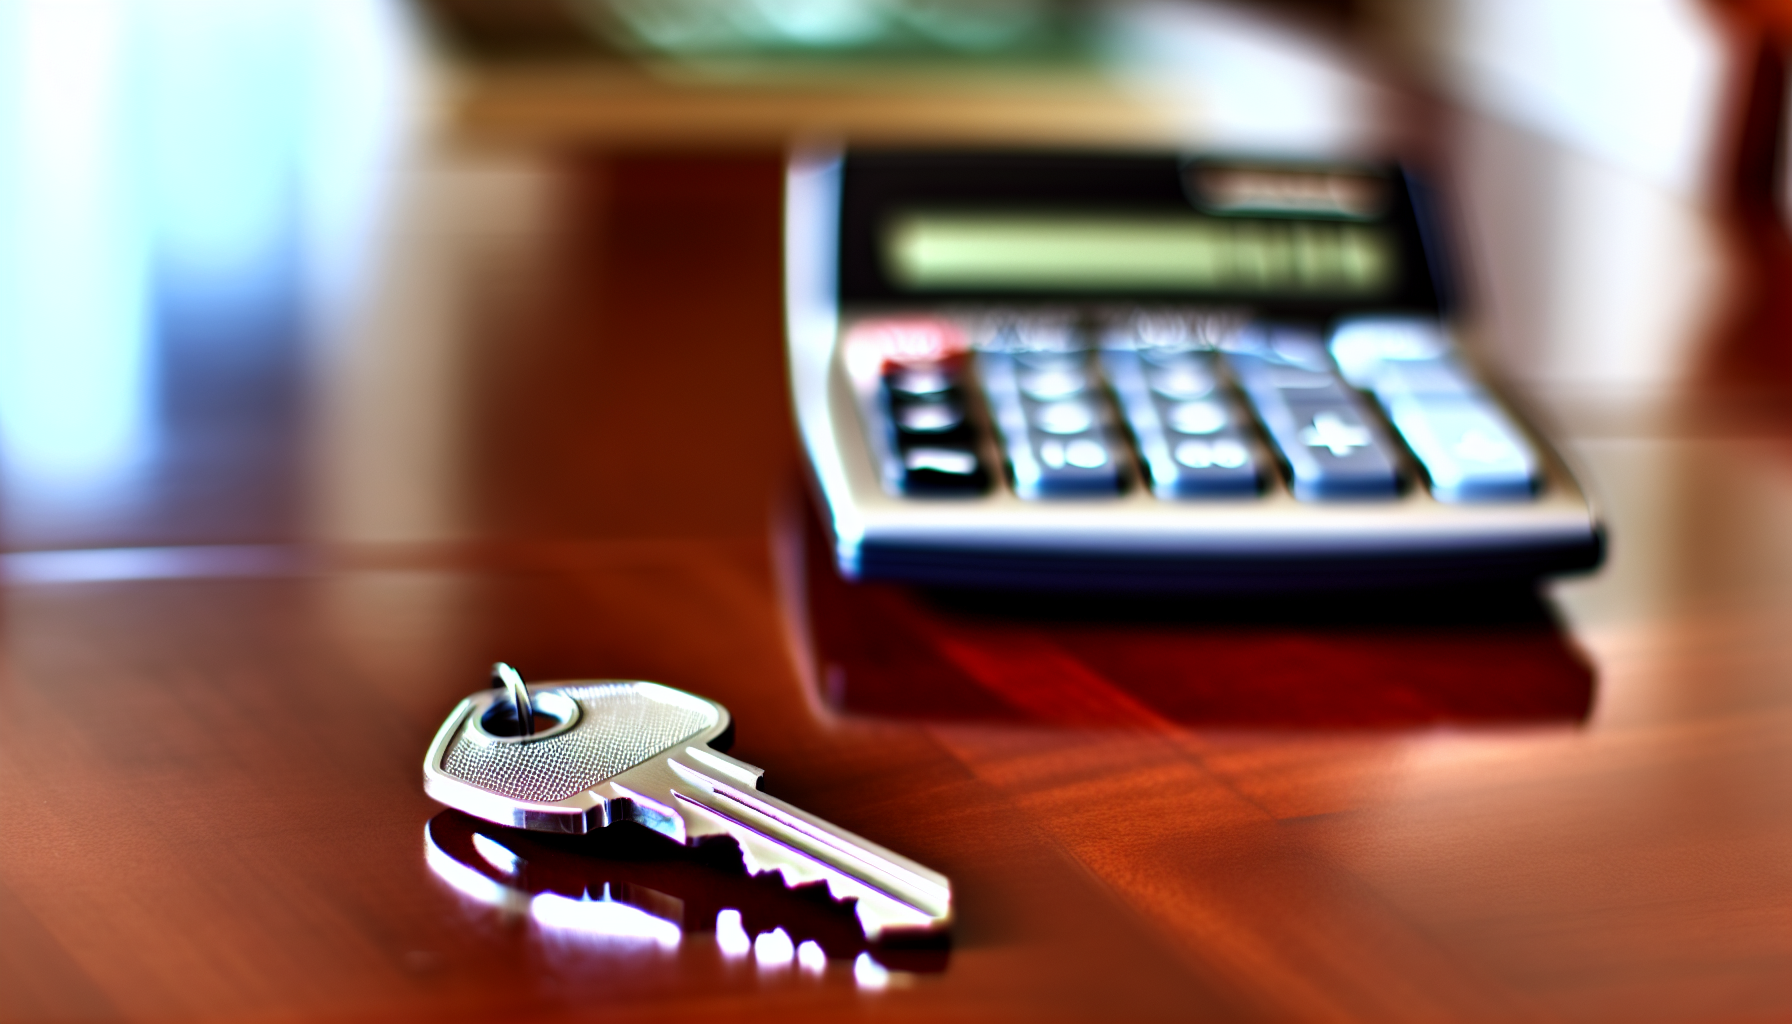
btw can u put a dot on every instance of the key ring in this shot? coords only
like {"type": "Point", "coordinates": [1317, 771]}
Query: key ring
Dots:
{"type": "Point", "coordinates": [518, 694]}
{"type": "Point", "coordinates": [560, 712]}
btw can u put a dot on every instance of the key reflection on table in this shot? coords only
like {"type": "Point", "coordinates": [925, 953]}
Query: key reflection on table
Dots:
{"type": "Point", "coordinates": [623, 892]}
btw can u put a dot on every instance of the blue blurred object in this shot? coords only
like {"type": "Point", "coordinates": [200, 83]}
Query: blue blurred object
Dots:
{"type": "Point", "coordinates": [181, 181]}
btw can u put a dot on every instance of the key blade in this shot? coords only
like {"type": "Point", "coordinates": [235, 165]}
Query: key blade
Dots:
{"type": "Point", "coordinates": [892, 894]}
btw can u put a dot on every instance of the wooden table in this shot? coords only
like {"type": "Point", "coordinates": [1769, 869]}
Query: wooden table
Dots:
{"type": "Point", "coordinates": [1475, 806]}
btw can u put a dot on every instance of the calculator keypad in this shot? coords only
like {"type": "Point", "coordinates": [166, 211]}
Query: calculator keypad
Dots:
{"type": "Point", "coordinates": [1188, 413]}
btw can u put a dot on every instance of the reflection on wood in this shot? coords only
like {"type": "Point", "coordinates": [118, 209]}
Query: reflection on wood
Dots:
{"type": "Point", "coordinates": [1327, 661]}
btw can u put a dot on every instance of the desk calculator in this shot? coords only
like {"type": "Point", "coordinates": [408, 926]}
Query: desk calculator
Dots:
{"type": "Point", "coordinates": [1146, 371]}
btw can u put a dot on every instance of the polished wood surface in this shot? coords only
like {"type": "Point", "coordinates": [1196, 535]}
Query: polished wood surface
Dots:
{"type": "Point", "coordinates": [1473, 806]}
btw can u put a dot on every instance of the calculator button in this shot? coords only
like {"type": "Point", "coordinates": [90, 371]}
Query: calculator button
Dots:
{"type": "Point", "coordinates": [1053, 383]}
{"type": "Point", "coordinates": [1335, 433]}
{"type": "Point", "coordinates": [1181, 381]}
{"type": "Point", "coordinates": [1470, 450]}
{"type": "Point", "coordinates": [1225, 453]}
{"type": "Point", "coordinates": [1469, 447]}
{"type": "Point", "coordinates": [919, 381]}
{"type": "Point", "coordinates": [932, 445]}
{"type": "Point", "coordinates": [1196, 417]}
{"type": "Point", "coordinates": [1364, 346]}
{"type": "Point", "coordinates": [939, 471]}
{"type": "Point", "coordinates": [955, 462]}
{"type": "Point", "coordinates": [1441, 376]}
{"type": "Point", "coordinates": [1055, 449]}
{"type": "Point", "coordinates": [927, 417]}
{"type": "Point", "coordinates": [1218, 461]}
{"type": "Point", "coordinates": [1331, 451]}
{"type": "Point", "coordinates": [1063, 417]}
{"type": "Point", "coordinates": [1081, 453]}
{"type": "Point", "coordinates": [1331, 447]}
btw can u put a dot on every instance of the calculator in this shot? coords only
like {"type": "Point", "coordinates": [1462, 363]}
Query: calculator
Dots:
{"type": "Point", "coordinates": [1151, 371]}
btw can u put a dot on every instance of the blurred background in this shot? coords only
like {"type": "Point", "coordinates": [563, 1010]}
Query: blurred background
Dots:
{"type": "Point", "coordinates": [277, 274]}
{"type": "Point", "coordinates": [452, 330]}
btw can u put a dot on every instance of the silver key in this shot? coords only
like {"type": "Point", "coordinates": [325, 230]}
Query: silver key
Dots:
{"type": "Point", "coordinates": [604, 751]}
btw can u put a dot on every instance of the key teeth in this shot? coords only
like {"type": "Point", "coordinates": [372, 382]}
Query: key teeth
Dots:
{"type": "Point", "coordinates": [875, 921]}
{"type": "Point", "coordinates": [795, 876]}
{"type": "Point", "coordinates": [877, 912]}
{"type": "Point", "coordinates": [791, 876]}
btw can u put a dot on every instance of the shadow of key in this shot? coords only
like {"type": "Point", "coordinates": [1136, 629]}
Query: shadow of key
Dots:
{"type": "Point", "coordinates": [628, 883]}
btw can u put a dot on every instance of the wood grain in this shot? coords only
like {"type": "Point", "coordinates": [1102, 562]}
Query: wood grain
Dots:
{"type": "Point", "coordinates": [1472, 806]}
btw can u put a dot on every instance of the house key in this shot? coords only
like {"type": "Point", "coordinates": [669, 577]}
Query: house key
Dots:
{"type": "Point", "coordinates": [577, 756]}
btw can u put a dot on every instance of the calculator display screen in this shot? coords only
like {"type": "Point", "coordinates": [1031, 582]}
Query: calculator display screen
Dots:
{"type": "Point", "coordinates": [947, 250]}
{"type": "Point", "coordinates": [1010, 228]}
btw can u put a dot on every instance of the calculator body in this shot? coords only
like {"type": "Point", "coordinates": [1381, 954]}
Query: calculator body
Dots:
{"type": "Point", "coordinates": [1150, 372]}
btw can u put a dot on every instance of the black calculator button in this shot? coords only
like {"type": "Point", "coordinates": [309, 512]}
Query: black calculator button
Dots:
{"type": "Point", "coordinates": [927, 417]}
{"type": "Point", "coordinates": [932, 444]}
{"type": "Point", "coordinates": [943, 472]}
{"type": "Point", "coordinates": [952, 462]}
{"type": "Point", "coordinates": [920, 380]}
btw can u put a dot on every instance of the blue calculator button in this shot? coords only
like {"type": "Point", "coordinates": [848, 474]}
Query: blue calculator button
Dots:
{"type": "Point", "coordinates": [1363, 346]}
{"type": "Point", "coordinates": [1331, 450]}
{"type": "Point", "coordinates": [1204, 417]}
{"type": "Point", "coordinates": [1425, 377]}
{"type": "Point", "coordinates": [1063, 417]}
{"type": "Point", "coordinates": [1191, 444]}
{"type": "Point", "coordinates": [1052, 383]}
{"type": "Point", "coordinates": [1221, 453]}
{"type": "Point", "coordinates": [1082, 453]}
{"type": "Point", "coordinates": [1060, 447]}
{"type": "Point", "coordinates": [1470, 449]}
{"type": "Point", "coordinates": [1182, 381]}
{"type": "Point", "coordinates": [1330, 445]}
{"type": "Point", "coordinates": [1337, 431]}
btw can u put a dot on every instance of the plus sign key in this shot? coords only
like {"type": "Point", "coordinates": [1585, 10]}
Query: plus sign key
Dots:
{"type": "Point", "coordinates": [1332, 448]}
{"type": "Point", "coordinates": [1331, 432]}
